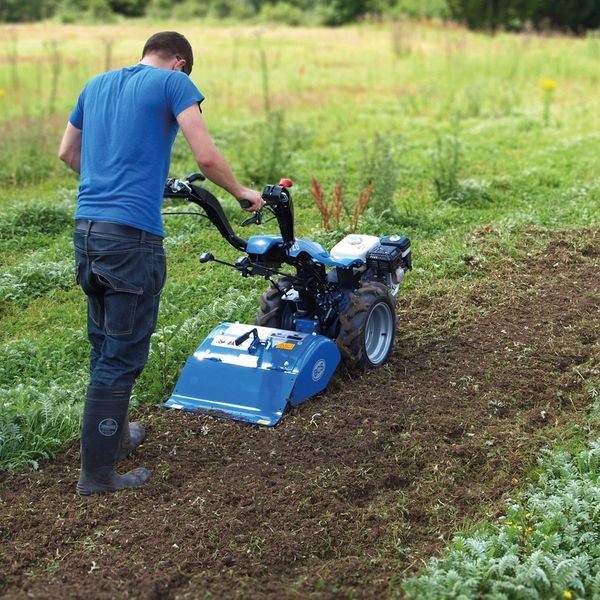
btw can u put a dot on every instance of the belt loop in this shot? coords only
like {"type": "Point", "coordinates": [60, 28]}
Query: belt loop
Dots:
{"type": "Point", "coordinates": [86, 237]}
{"type": "Point", "coordinates": [143, 237]}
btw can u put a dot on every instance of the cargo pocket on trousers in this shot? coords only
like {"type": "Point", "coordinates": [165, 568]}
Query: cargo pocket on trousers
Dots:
{"type": "Point", "coordinates": [120, 302]}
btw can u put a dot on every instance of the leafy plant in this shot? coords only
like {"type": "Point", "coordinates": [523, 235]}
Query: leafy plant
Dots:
{"type": "Point", "coordinates": [265, 148]}
{"type": "Point", "coordinates": [447, 163]}
{"type": "Point", "coordinates": [447, 166]}
{"type": "Point", "coordinates": [35, 279]}
{"type": "Point", "coordinates": [548, 87]}
{"type": "Point", "coordinates": [378, 176]}
{"type": "Point", "coordinates": [402, 39]}
{"type": "Point", "coordinates": [28, 153]}
{"type": "Point", "coordinates": [21, 220]}
{"type": "Point", "coordinates": [36, 422]}
{"type": "Point", "coordinates": [547, 545]}
{"type": "Point", "coordinates": [379, 172]}
{"type": "Point", "coordinates": [41, 398]}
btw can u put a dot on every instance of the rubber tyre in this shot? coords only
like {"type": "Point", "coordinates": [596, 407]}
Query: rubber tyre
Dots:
{"type": "Point", "coordinates": [270, 312]}
{"type": "Point", "coordinates": [370, 305]}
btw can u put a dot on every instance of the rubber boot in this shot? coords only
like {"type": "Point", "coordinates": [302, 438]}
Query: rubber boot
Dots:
{"type": "Point", "coordinates": [132, 436]}
{"type": "Point", "coordinates": [104, 417]}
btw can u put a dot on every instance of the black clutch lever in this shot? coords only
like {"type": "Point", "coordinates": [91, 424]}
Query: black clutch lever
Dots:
{"type": "Point", "coordinates": [255, 219]}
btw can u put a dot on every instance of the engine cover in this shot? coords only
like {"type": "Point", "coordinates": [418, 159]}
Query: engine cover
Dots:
{"type": "Point", "coordinates": [384, 259]}
{"type": "Point", "coordinates": [354, 246]}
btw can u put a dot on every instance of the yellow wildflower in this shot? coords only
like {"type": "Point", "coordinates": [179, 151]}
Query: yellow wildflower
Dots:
{"type": "Point", "coordinates": [2, 93]}
{"type": "Point", "coordinates": [548, 85]}
{"type": "Point", "coordinates": [567, 594]}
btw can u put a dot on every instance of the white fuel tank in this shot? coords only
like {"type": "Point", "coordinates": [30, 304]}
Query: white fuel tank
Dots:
{"type": "Point", "coordinates": [354, 246]}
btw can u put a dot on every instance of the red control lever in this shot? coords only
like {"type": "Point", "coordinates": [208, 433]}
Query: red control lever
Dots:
{"type": "Point", "coordinates": [285, 182]}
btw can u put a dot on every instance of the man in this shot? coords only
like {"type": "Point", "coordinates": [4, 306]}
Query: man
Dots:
{"type": "Point", "coordinates": [119, 139]}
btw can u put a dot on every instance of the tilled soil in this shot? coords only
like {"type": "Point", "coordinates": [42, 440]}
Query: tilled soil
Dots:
{"type": "Point", "coordinates": [354, 488]}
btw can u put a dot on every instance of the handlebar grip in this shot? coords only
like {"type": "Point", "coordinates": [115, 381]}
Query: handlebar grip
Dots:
{"type": "Point", "coordinates": [245, 203]}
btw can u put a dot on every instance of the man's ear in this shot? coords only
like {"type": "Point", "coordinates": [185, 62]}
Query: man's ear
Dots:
{"type": "Point", "coordinates": [180, 64]}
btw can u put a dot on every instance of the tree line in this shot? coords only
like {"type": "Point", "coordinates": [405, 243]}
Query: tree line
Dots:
{"type": "Point", "coordinates": [491, 15]}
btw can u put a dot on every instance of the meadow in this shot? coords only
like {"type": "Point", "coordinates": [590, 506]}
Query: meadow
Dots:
{"type": "Point", "coordinates": [483, 150]}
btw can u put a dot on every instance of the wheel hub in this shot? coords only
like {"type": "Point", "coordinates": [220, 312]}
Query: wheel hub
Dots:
{"type": "Point", "coordinates": [378, 333]}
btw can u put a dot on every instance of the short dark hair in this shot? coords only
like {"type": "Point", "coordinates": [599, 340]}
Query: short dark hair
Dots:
{"type": "Point", "coordinates": [169, 44]}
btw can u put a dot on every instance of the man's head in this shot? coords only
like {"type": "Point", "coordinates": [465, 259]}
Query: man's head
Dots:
{"type": "Point", "coordinates": [171, 45]}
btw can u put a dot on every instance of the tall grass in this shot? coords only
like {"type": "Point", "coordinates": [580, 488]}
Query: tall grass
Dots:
{"type": "Point", "coordinates": [11, 42]}
{"type": "Point", "coordinates": [56, 60]}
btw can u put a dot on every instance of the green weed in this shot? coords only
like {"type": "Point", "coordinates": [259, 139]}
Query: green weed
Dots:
{"type": "Point", "coordinates": [265, 148]}
{"type": "Point", "coordinates": [28, 153]}
{"type": "Point", "coordinates": [545, 546]}
{"type": "Point", "coordinates": [34, 280]}
{"type": "Point", "coordinates": [380, 169]}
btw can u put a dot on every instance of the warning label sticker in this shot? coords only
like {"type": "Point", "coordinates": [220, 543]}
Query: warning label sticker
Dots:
{"type": "Point", "coordinates": [285, 346]}
{"type": "Point", "coordinates": [230, 342]}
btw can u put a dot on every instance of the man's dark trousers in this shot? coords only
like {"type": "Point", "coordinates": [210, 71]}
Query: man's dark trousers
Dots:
{"type": "Point", "coordinates": [122, 276]}
{"type": "Point", "coordinates": [122, 270]}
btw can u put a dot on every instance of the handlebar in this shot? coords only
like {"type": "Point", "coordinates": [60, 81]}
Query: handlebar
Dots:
{"type": "Point", "coordinates": [184, 189]}
{"type": "Point", "coordinates": [277, 199]}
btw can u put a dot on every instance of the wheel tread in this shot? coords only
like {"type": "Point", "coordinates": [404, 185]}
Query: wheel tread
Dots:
{"type": "Point", "coordinates": [352, 323]}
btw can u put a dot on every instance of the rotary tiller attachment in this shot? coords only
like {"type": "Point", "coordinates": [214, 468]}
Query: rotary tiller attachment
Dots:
{"type": "Point", "coordinates": [251, 373]}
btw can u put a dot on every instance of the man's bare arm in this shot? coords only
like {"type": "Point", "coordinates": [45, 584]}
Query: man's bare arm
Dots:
{"type": "Point", "coordinates": [70, 148]}
{"type": "Point", "coordinates": [210, 160]}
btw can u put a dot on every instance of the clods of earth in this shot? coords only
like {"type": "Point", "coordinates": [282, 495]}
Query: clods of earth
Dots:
{"type": "Point", "coordinates": [355, 488]}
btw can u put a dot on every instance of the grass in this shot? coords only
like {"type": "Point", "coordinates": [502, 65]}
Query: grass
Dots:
{"type": "Point", "coordinates": [463, 115]}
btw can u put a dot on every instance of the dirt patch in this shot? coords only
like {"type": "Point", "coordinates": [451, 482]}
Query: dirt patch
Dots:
{"type": "Point", "coordinates": [353, 488]}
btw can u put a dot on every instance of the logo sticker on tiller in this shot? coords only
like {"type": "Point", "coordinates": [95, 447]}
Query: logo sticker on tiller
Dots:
{"type": "Point", "coordinates": [319, 369]}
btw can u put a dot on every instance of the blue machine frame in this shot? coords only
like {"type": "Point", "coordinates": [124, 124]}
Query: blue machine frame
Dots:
{"type": "Point", "coordinates": [251, 373]}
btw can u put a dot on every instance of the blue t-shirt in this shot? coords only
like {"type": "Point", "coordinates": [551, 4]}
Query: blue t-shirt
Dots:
{"type": "Point", "coordinates": [128, 123]}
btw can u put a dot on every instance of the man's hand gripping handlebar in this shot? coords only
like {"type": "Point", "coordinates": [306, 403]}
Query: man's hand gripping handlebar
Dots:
{"type": "Point", "coordinates": [248, 205]}
{"type": "Point", "coordinates": [250, 200]}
